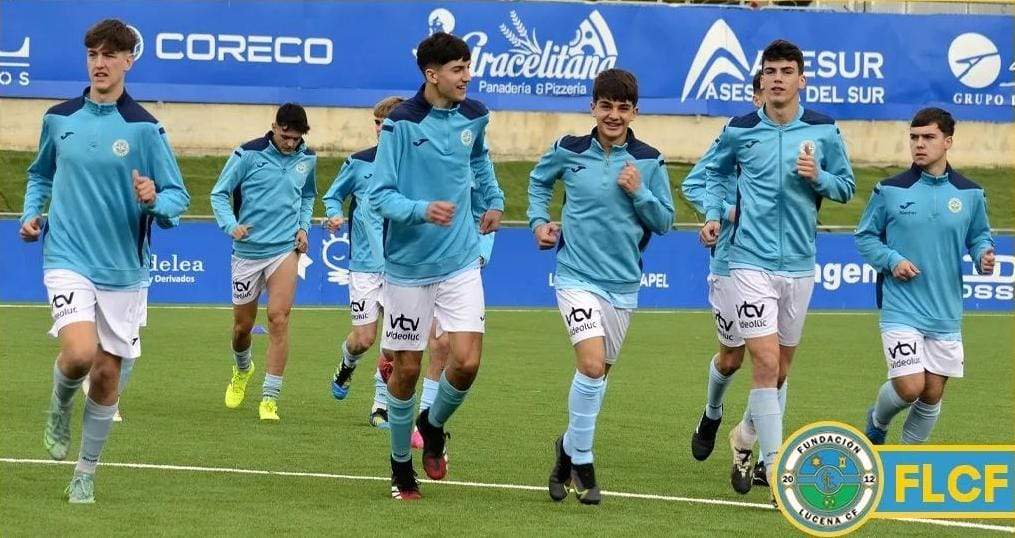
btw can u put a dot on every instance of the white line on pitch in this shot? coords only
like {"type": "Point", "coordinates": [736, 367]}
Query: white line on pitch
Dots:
{"type": "Point", "coordinates": [641, 496]}
{"type": "Point", "coordinates": [534, 309]}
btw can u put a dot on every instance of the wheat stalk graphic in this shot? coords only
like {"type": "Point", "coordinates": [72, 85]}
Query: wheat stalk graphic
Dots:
{"type": "Point", "coordinates": [523, 43]}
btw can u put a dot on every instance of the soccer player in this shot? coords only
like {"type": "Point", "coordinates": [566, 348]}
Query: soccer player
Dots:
{"type": "Point", "coordinates": [271, 182]}
{"type": "Point", "coordinates": [432, 149]}
{"type": "Point", "coordinates": [914, 231]}
{"type": "Point", "coordinates": [722, 296]}
{"type": "Point", "coordinates": [107, 169]}
{"type": "Point", "coordinates": [366, 264]}
{"type": "Point", "coordinates": [786, 160]}
{"type": "Point", "coordinates": [617, 193]}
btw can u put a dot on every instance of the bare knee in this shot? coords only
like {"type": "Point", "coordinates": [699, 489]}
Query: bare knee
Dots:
{"type": "Point", "coordinates": [729, 360]}
{"type": "Point", "coordinates": [360, 340]}
{"type": "Point", "coordinates": [278, 319]}
{"type": "Point", "coordinates": [105, 375]}
{"type": "Point", "coordinates": [910, 390]}
{"type": "Point", "coordinates": [79, 356]}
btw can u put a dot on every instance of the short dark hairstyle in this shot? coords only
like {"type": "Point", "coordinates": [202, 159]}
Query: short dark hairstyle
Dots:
{"type": "Point", "coordinates": [440, 49]}
{"type": "Point", "coordinates": [756, 83]}
{"type": "Point", "coordinates": [292, 116]}
{"type": "Point", "coordinates": [111, 34]}
{"type": "Point", "coordinates": [615, 85]}
{"type": "Point", "coordinates": [934, 115]}
{"type": "Point", "coordinates": [780, 49]}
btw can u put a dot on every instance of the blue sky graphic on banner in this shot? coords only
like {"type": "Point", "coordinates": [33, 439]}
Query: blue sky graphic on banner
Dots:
{"type": "Point", "coordinates": [191, 265]}
{"type": "Point", "coordinates": [526, 55]}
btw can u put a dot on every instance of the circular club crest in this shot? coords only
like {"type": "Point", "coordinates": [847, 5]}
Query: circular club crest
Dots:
{"type": "Point", "coordinates": [121, 148]}
{"type": "Point", "coordinates": [301, 168]}
{"type": "Point", "coordinates": [954, 205]}
{"type": "Point", "coordinates": [828, 479]}
{"type": "Point", "coordinates": [466, 137]}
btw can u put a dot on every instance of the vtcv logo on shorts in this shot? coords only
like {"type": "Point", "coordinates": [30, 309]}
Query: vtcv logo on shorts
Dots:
{"type": "Point", "coordinates": [827, 479]}
{"type": "Point", "coordinates": [402, 328]}
{"type": "Point", "coordinates": [580, 319]}
{"type": "Point", "coordinates": [121, 148]}
{"type": "Point", "coordinates": [60, 301]}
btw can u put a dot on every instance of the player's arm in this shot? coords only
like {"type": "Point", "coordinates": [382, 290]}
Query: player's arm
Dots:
{"type": "Point", "coordinates": [869, 233]}
{"type": "Point", "coordinates": [385, 199]}
{"type": "Point", "coordinates": [693, 186]}
{"type": "Point", "coordinates": [40, 178]}
{"type": "Point", "coordinates": [172, 198]}
{"type": "Point", "coordinates": [979, 243]}
{"type": "Point", "coordinates": [340, 189]}
{"type": "Point", "coordinates": [231, 176]}
{"type": "Point", "coordinates": [835, 175]}
{"type": "Point", "coordinates": [653, 201]}
{"type": "Point", "coordinates": [484, 177]}
{"type": "Point", "coordinates": [308, 197]}
{"type": "Point", "coordinates": [721, 166]}
{"type": "Point", "coordinates": [541, 181]}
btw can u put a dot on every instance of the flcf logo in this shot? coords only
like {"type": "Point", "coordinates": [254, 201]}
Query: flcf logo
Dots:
{"type": "Point", "coordinates": [525, 65]}
{"type": "Point", "coordinates": [721, 70]}
{"type": "Point", "coordinates": [15, 64]}
{"type": "Point", "coordinates": [999, 285]}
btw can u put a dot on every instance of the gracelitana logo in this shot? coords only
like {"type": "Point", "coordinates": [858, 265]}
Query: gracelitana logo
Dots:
{"type": "Point", "coordinates": [827, 479]}
{"type": "Point", "coordinates": [529, 65]}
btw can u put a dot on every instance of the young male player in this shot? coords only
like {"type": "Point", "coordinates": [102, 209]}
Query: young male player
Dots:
{"type": "Point", "coordinates": [271, 184]}
{"type": "Point", "coordinates": [915, 230]}
{"type": "Point", "coordinates": [106, 168]}
{"type": "Point", "coordinates": [617, 193]}
{"type": "Point", "coordinates": [366, 264]}
{"type": "Point", "coordinates": [786, 160]}
{"type": "Point", "coordinates": [723, 298]}
{"type": "Point", "coordinates": [432, 149]}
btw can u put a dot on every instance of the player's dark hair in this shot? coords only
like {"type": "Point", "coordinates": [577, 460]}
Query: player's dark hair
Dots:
{"type": "Point", "coordinates": [615, 85]}
{"type": "Point", "coordinates": [780, 49]}
{"type": "Point", "coordinates": [756, 82]}
{"type": "Point", "coordinates": [934, 115]}
{"type": "Point", "coordinates": [292, 116]}
{"type": "Point", "coordinates": [440, 49]}
{"type": "Point", "coordinates": [111, 34]}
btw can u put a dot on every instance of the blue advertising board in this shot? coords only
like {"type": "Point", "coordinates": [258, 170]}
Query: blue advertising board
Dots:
{"type": "Point", "coordinates": [190, 264]}
{"type": "Point", "coordinates": [525, 55]}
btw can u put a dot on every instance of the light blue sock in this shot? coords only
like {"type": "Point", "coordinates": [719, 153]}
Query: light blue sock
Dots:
{"type": "Point", "coordinates": [126, 369]}
{"type": "Point", "coordinates": [717, 384]}
{"type": "Point", "coordinates": [380, 391]}
{"type": "Point", "coordinates": [272, 386]}
{"type": "Point", "coordinates": [243, 359]}
{"type": "Point", "coordinates": [349, 359]}
{"type": "Point", "coordinates": [584, 402]}
{"type": "Point", "coordinates": [448, 399]}
{"type": "Point", "coordinates": [400, 415]}
{"type": "Point", "coordinates": [64, 388]}
{"type": "Point", "coordinates": [920, 422]}
{"type": "Point", "coordinates": [782, 409]}
{"type": "Point", "coordinates": [888, 404]}
{"type": "Point", "coordinates": [429, 394]}
{"type": "Point", "coordinates": [764, 404]}
{"type": "Point", "coordinates": [94, 431]}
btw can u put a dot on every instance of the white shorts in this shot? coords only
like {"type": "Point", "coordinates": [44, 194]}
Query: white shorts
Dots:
{"type": "Point", "coordinates": [908, 352]}
{"type": "Point", "coordinates": [250, 277]}
{"type": "Point", "coordinates": [117, 314]}
{"type": "Point", "coordinates": [456, 303]}
{"type": "Point", "coordinates": [588, 315]}
{"type": "Point", "coordinates": [722, 295]}
{"type": "Point", "coordinates": [769, 304]}
{"type": "Point", "coordinates": [365, 297]}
